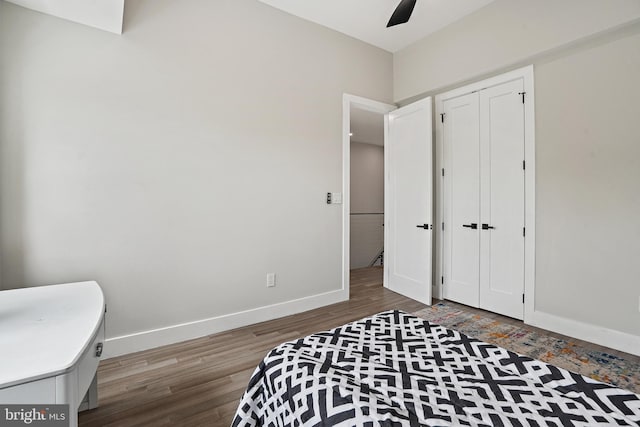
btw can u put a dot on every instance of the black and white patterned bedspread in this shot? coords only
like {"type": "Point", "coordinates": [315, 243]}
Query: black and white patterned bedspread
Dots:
{"type": "Point", "coordinates": [397, 369]}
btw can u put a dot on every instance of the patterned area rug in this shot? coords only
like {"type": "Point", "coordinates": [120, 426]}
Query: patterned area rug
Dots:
{"type": "Point", "coordinates": [566, 354]}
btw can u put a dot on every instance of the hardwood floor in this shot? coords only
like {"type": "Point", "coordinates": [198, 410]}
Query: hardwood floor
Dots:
{"type": "Point", "coordinates": [200, 382]}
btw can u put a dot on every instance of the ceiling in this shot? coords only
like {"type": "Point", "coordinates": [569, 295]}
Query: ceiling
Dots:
{"type": "Point", "coordinates": [366, 20]}
{"type": "Point", "coordinates": [103, 14]}
{"type": "Point", "coordinates": [362, 19]}
{"type": "Point", "coordinates": [367, 126]}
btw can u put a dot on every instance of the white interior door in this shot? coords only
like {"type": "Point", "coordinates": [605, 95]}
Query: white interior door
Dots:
{"type": "Point", "coordinates": [408, 201]}
{"type": "Point", "coordinates": [461, 193]}
{"type": "Point", "coordinates": [502, 199]}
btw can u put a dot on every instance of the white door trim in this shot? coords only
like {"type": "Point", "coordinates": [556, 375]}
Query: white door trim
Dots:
{"type": "Point", "coordinates": [370, 105]}
{"type": "Point", "coordinates": [525, 73]}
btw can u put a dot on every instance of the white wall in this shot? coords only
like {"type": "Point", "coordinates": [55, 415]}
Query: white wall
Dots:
{"type": "Point", "coordinates": [587, 146]}
{"type": "Point", "coordinates": [367, 197]}
{"type": "Point", "coordinates": [367, 177]}
{"type": "Point", "coordinates": [504, 34]}
{"type": "Point", "coordinates": [178, 163]}
{"type": "Point", "coordinates": [588, 186]}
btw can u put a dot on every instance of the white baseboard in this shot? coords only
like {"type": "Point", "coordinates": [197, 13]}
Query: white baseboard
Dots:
{"type": "Point", "coordinates": [146, 340]}
{"type": "Point", "coordinates": [596, 334]}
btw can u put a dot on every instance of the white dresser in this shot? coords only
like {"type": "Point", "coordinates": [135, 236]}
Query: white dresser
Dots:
{"type": "Point", "coordinates": [51, 340]}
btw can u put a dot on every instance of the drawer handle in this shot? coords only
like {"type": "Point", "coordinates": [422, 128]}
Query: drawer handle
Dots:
{"type": "Point", "coordinates": [99, 349]}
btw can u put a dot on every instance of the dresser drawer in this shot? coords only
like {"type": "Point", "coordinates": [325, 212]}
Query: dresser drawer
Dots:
{"type": "Point", "coordinates": [88, 364]}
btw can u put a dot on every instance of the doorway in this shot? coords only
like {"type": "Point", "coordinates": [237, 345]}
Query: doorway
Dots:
{"type": "Point", "coordinates": [367, 189]}
{"type": "Point", "coordinates": [407, 195]}
{"type": "Point", "coordinates": [363, 184]}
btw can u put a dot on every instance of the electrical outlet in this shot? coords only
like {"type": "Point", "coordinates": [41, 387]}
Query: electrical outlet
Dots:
{"type": "Point", "coordinates": [271, 280]}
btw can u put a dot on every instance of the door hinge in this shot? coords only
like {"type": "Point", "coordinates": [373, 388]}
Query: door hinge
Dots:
{"type": "Point", "coordinates": [442, 117]}
{"type": "Point", "coordinates": [442, 171]}
{"type": "Point", "coordinates": [442, 280]}
{"type": "Point", "coordinates": [524, 231]}
{"type": "Point", "coordinates": [524, 165]}
{"type": "Point", "coordinates": [523, 94]}
{"type": "Point", "coordinates": [523, 298]}
{"type": "Point", "coordinates": [443, 226]}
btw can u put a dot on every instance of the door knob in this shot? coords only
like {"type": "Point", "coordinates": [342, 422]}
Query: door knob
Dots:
{"type": "Point", "coordinates": [425, 226]}
{"type": "Point", "coordinates": [473, 226]}
{"type": "Point", "coordinates": [487, 227]}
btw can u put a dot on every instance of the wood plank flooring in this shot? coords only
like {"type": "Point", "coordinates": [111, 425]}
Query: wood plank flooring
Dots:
{"type": "Point", "coordinates": [199, 382]}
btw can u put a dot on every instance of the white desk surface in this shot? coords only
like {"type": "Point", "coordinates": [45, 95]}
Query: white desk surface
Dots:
{"type": "Point", "coordinates": [44, 330]}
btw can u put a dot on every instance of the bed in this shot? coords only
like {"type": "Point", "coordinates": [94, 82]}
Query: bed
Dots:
{"type": "Point", "coordinates": [397, 369]}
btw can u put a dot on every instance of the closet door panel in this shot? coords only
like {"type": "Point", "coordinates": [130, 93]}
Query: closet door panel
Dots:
{"type": "Point", "coordinates": [502, 199]}
{"type": "Point", "coordinates": [462, 204]}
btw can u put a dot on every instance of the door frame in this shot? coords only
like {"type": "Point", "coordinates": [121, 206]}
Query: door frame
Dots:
{"type": "Point", "coordinates": [349, 101]}
{"type": "Point", "coordinates": [526, 74]}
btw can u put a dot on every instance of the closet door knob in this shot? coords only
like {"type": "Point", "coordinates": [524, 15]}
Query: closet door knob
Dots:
{"type": "Point", "coordinates": [425, 226]}
{"type": "Point", "coordinates": [487, 227]}
{"type": "Point", "coordinates": [473, 226]}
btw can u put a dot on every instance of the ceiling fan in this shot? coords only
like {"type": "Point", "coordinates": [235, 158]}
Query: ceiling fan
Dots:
{"type": "Point", "coordinates": [402, 13]}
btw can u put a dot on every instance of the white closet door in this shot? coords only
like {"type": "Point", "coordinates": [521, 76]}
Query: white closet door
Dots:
{"type": "Point", "coordinates": [502, 199]}
{"type": "Point", "coordinates": [461, 199]}
{"type": "Point", "coordinates": [408, 200]}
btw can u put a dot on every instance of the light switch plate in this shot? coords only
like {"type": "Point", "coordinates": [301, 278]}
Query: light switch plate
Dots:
{"type": "Point", "coordinates": [336, 198]}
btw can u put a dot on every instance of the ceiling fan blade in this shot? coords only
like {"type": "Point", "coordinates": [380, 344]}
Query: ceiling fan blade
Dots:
{"type": "Point", "coordinates": [402, 13]}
